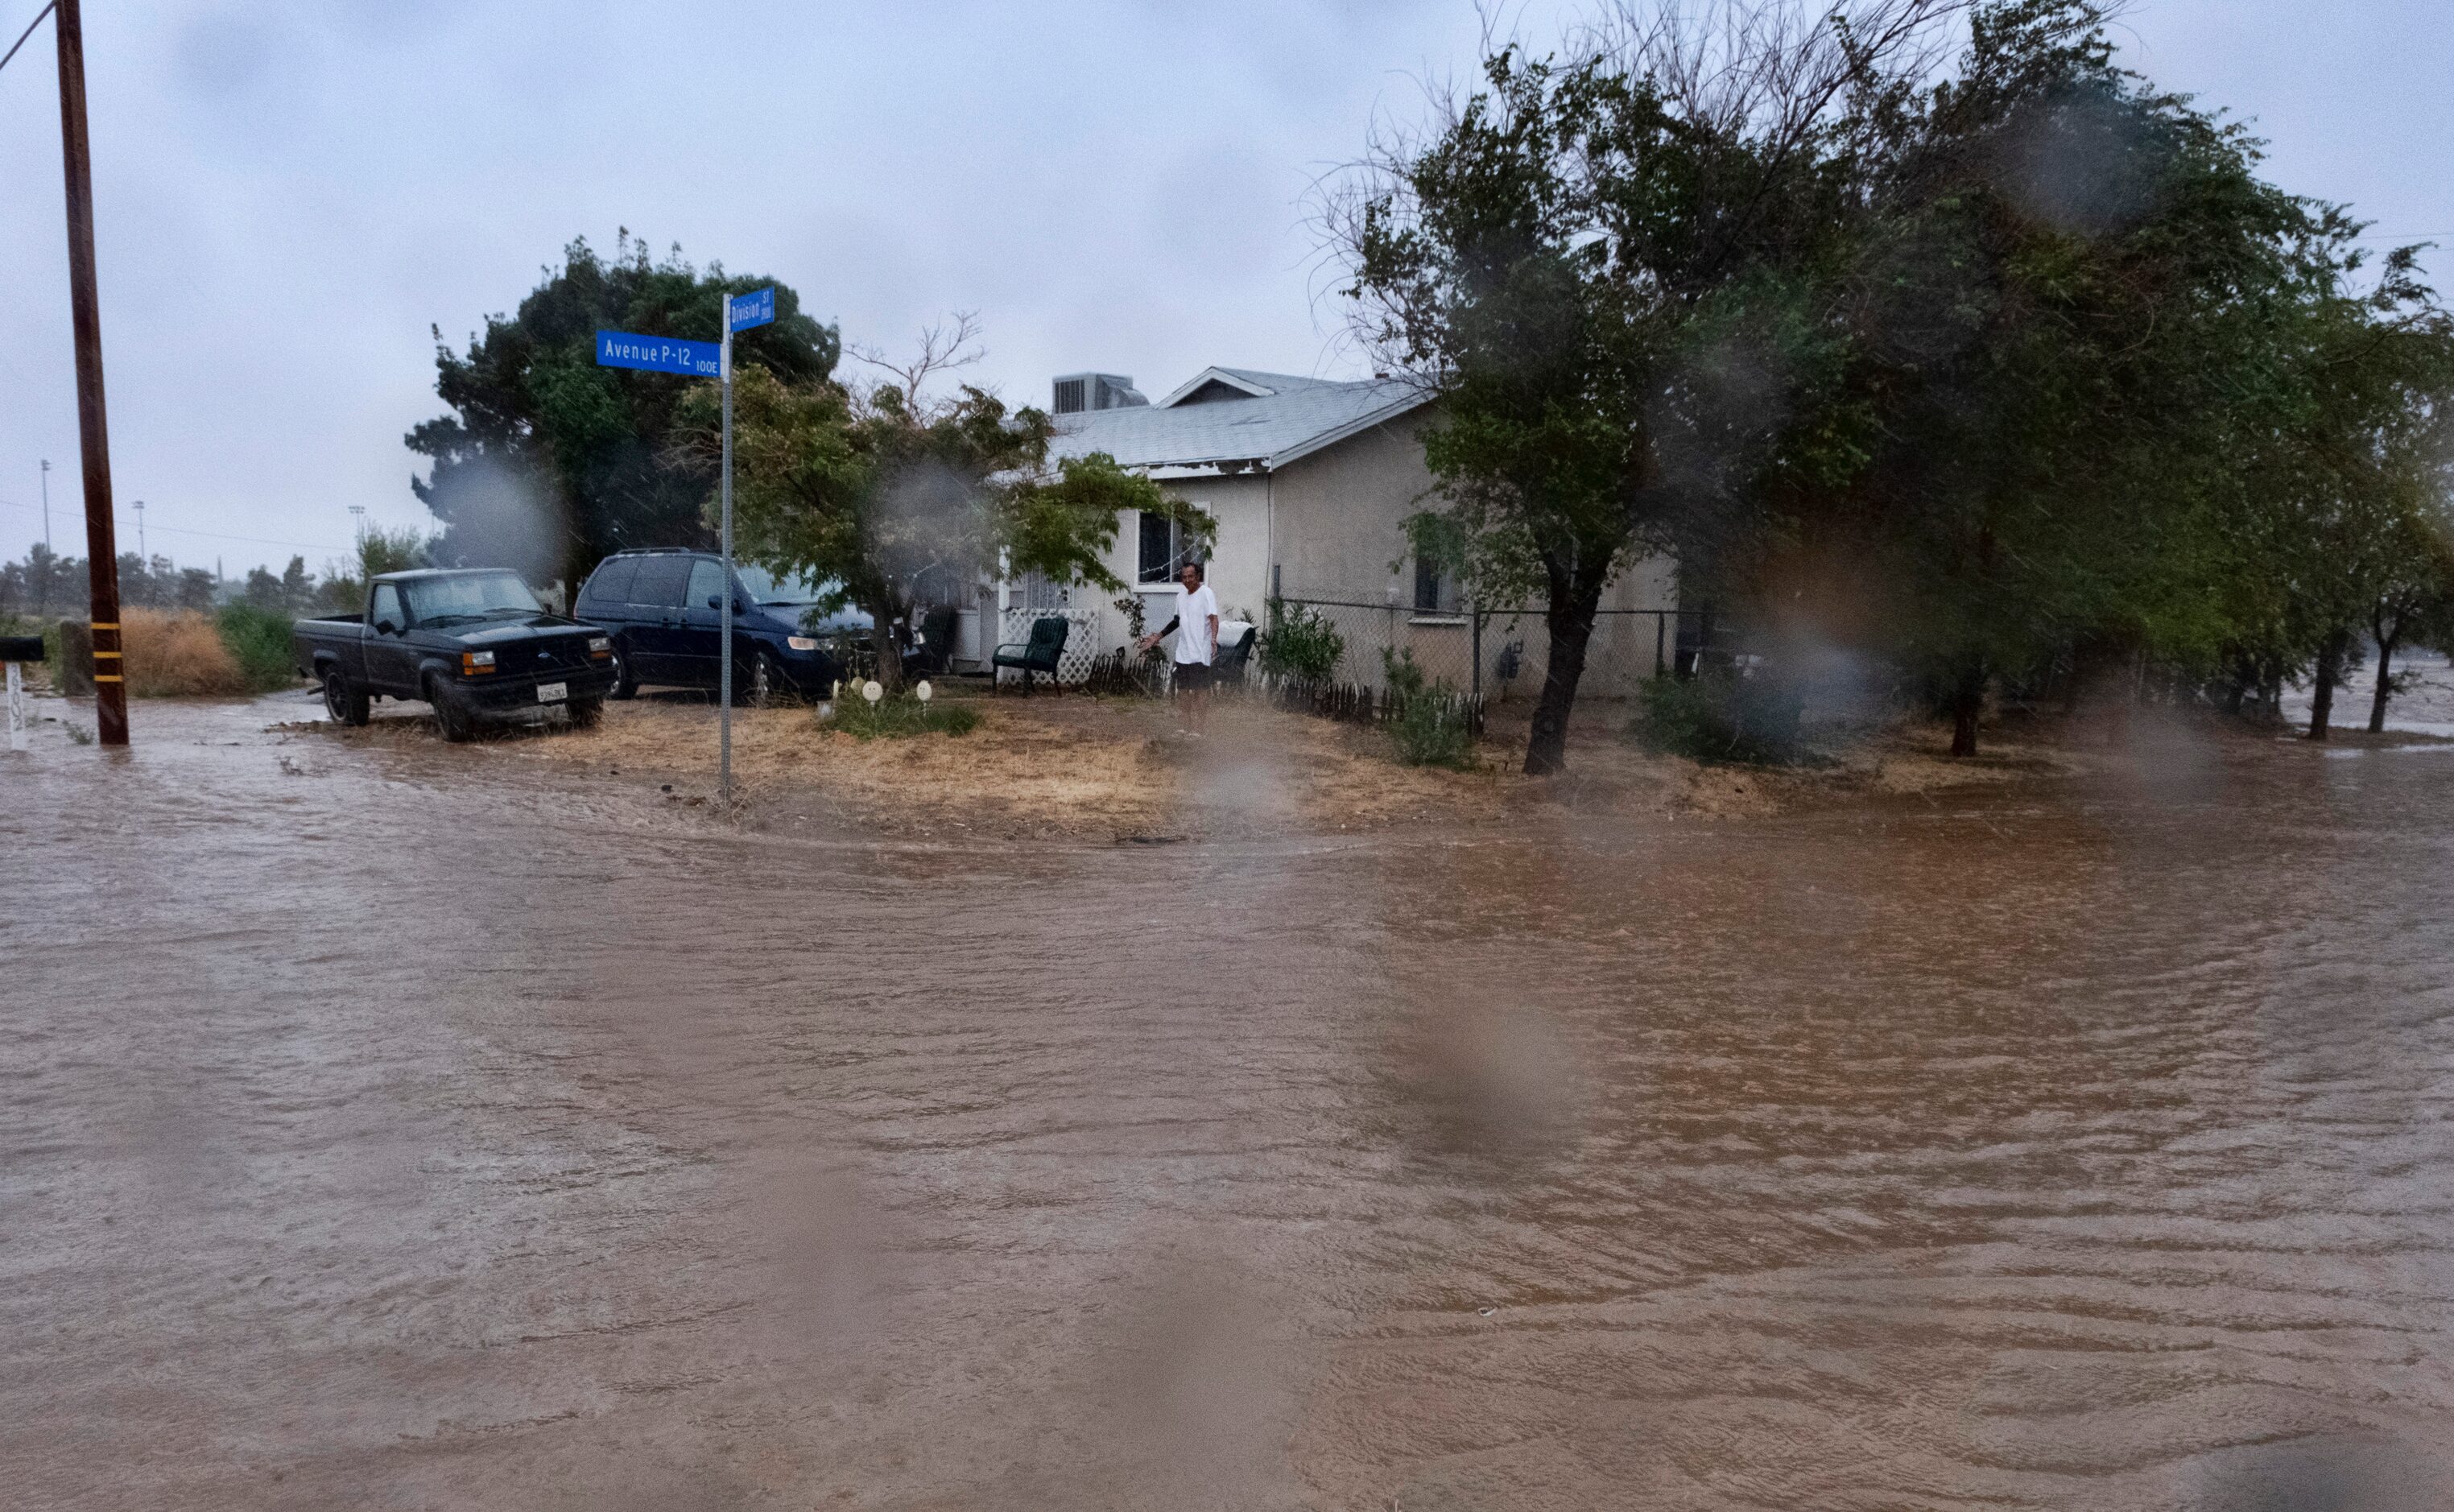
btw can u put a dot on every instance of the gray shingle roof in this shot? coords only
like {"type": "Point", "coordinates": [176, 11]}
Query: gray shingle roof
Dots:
{"type": "Point", "coordinates": [1298, 417]}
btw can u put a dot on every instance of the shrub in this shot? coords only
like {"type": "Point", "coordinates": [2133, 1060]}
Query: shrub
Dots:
{"type": "Point", "coordinates": [258, 640]}
{"type": "Point", "coordinates": [1299, 643]}
{"type": "Point", "coordinates": [176, 655]}
{"type": "Point", "coordinates": [894, 718]}
{"type": "Point", "coordinates": [1428, 725]}
{"type": "Point", "coordinates": [1715, 719]}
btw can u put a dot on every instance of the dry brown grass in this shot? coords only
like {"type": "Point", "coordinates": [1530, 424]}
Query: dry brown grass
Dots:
{"type": "Point", "coordinates": [1101, 770]}
{"type": "Point", "coordinates": [176, 655]}
{"type": "Point", "coordinates": [1015, 773]}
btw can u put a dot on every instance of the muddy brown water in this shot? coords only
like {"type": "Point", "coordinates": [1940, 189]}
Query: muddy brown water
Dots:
{"type": "Point", "coordinates": [408, 1127]}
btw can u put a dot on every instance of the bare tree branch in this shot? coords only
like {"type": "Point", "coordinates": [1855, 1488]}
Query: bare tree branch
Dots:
{"type": "Point", "coordinates": [946, 346]}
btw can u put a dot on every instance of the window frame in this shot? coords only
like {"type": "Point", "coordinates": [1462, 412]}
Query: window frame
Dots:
{"type": "Point", "coordinates": [1144, 575]}
{"type": "Point", "coordinates": [1443, 587]}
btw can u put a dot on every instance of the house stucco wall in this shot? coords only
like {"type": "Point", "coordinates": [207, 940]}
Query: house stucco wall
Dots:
{"type": "Point", "coordinates": [1333, 527]}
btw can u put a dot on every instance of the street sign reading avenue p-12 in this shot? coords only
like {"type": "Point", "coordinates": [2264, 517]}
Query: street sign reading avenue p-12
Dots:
{"type": "Point", "coordinates": [695, 359]}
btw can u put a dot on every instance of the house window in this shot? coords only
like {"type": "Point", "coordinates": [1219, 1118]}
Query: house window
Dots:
{"type": "Point", "coordinates": [1163, 545]}
{"type": "Point", "coordinates": [1436, 592]}
{"type": "Point", "coordinates": [1038, 592]}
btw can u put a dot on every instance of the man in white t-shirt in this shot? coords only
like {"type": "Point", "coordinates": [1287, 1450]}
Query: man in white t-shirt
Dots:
{"type": "Point", "coordinates": [1196, 640]}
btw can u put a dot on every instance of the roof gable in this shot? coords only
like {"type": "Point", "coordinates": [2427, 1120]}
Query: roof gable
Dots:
{"type": "Point", "coordinates": [1235, 417]}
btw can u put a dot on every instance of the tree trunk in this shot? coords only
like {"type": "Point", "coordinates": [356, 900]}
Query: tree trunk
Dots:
{"type": "Point", "coordinates": [890, 655]}
{"type": "Point", "coordinates": [1569, 620]}
{"type": "Point", "coordinates": [1967, 702]}
{"type": "Point", "coordinates": [2238, 693]}
{"type": "Point", "coordinates": [2330, 670]}
{"type": "Point", "coordinates": [2384, 683]}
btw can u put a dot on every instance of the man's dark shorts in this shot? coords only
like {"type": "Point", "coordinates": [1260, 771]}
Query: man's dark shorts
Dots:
{"type": "Point", "coordinates": [1192, 676]}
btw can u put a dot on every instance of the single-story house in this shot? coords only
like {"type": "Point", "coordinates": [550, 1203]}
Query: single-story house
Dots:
{"type": "Point", "coordinates": [1310, 482]}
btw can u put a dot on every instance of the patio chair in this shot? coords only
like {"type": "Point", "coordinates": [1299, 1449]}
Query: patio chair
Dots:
{"type": "Point", "coordinates": [1232, 659]}
{"type": "Point", "coordinates": [1038, 654]}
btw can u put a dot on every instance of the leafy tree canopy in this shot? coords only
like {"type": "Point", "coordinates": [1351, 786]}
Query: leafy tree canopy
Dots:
{"type": "Point", "coordinates": [548, 462]}
{"type": "Point", "coordinates": [902, 501]}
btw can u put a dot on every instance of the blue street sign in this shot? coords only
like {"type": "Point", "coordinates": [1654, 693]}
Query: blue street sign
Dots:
{"type": "Point", "coordinates": [753, 309]}
{"type": "Point", "coordinates": [696, 359]}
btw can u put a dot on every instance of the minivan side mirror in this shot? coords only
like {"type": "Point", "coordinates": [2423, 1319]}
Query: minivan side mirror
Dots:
{"type": "Point", "coordinates": [385, 627]}
{"type": "Point", "coordinates": [716, 601]}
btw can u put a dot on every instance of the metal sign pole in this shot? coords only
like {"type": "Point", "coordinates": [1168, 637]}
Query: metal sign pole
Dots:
{"type": "Point", "coordinates": [724, 677]}
{"type": "Point", "coordinates": [702, 360]}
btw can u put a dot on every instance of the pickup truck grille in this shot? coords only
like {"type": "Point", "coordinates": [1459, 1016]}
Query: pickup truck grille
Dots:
{"type": "Point", "coordinates": [553, 655]}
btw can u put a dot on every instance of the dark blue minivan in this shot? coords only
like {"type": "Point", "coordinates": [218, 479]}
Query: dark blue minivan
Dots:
{"type": "Point", "coordinates": [661, 607]}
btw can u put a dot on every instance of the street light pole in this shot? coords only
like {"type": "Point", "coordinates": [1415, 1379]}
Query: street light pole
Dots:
{"type": "Point", "coordinates": [85, 309]}
{"type": "Point", "coordinates": [142, 558]}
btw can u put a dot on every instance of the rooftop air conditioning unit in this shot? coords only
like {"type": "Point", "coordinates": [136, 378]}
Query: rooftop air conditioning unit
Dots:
{"type": "Point", "coordinates": [1077, 392]}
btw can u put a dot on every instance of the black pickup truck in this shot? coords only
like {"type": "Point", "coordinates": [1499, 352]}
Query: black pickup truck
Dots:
{"type": "Point", "coordinates": [468, 641]}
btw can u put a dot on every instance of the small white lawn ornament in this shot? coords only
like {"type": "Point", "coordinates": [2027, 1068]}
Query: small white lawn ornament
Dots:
{"type": "Point", "coordinates": [924, 693]}
{"type": "Point", "coordinates": [873, 690]}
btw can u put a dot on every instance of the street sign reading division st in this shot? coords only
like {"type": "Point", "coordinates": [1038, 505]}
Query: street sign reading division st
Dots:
{"type": "Point", "coordinates": [753, 310]}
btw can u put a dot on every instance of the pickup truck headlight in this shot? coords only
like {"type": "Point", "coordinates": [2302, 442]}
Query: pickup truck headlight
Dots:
{"type": "Point", "coordinates": [475, 663]}
{"type": "Point", "coordinates": [600, 645]}
{"type": "Point", "coordinates": [803, 642]}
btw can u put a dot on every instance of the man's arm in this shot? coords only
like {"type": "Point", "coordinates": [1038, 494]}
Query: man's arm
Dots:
{"type": "Point", "coordinates": [1161, 634]}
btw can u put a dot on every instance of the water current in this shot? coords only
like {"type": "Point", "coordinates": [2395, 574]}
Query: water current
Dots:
{"type": "Point", "coordinates": [410, 1127]}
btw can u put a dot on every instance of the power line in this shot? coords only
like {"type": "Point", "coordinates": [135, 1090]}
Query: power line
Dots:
{"type": "Point", "coordinates": [219, 535]}
{"type": "Point", "coordinates": [28, 33]}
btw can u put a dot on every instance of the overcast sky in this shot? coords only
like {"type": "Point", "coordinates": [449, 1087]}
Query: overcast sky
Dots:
{"type": "Point", "coordinates": [290, 194]}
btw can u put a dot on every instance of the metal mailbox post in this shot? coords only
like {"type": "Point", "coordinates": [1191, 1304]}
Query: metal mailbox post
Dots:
{"type": "Point", "coordinates": [13, 650]}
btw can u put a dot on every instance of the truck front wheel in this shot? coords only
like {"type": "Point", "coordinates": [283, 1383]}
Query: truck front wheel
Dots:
{"type": "Point", "coordinates": [458, 721]}
{"type": "Point", "coordinates": [347, 705]}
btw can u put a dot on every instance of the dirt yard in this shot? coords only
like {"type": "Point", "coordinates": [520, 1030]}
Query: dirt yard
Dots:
{"type": "Point", "coordinates": [1077, 768]}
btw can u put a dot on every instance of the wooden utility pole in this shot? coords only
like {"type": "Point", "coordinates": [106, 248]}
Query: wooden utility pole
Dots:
{"type": "Point", "coordinates": [101, 546]}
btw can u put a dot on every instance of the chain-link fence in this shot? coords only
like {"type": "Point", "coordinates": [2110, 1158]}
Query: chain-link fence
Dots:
{"type": "Point", "coordinates": [1490, 654]}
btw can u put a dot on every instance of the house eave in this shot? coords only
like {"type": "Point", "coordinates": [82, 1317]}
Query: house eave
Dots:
{"type": "Point", "coordinates": [1347, 431]}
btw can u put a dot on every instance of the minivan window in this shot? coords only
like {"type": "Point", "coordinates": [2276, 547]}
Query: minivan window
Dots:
{"type": "Point", "coordinates": [706, 582]}
{"type": "Point", "coordinates": [610, 583]}
{"type": "Point", "coordinates": [388, 606]}
{"type": "Point", "coordinates": [660, 581]}
{"type": "Point", "coordinates": [766, 588]}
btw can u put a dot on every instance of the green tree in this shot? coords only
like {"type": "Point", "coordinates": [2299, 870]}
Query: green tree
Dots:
{"type": "Point", "coordinates": [380, 551]}
{"type": "Point", "coordinates": [196, 590]}
{"type": "Point", "coordinates": [1606, 266]}
{"type": "Point", "coordinates": [548, 461]}
{"type": "Point", "coordinates": [2066, 295]}
{"type": "Point", "coordinates": [892, 496]}
{"type": "Point", "coordinates": [297, 586]}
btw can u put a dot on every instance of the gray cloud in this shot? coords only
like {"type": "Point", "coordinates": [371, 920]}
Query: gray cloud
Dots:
{"type": "Point", "coordinates": [290, 194]}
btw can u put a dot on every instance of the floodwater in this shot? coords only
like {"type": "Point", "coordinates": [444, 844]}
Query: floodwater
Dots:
{"type": "Point", "coordinates": [410, 1128]}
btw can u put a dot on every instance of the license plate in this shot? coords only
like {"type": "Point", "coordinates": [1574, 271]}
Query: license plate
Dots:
{"type": "Point", "coordinates": [552, 692]}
